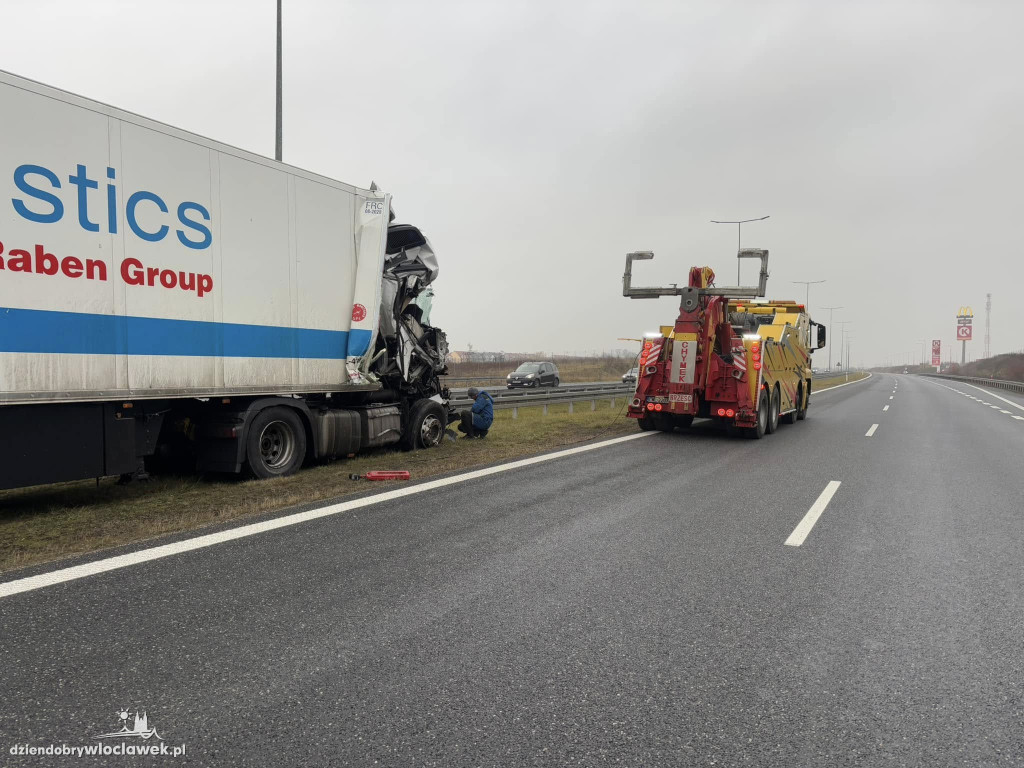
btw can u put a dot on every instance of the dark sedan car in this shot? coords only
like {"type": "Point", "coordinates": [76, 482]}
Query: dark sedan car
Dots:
{"type": "Point", "coordinates": [533, 375]}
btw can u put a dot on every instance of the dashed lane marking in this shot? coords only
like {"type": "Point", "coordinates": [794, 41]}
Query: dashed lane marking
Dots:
{"type": "Point", "coordinates": [796, 538]}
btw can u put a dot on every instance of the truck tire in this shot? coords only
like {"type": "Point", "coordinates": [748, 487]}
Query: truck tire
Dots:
{"type": "Point", "coordinates": [792, 416]}
{"type": "Point", "coordinates": [761, 429]}
{"type": "Point", "coordinates": [646, 423]}
{"type": "Point", "coordinates": [805, 402]}
{"type": "Point", "coordinates": [774, 407]}
{"type": "Point", "coordinates": [426, 425]}
{"type": "Point", "coordinates": [275, 445]}
{"type": "Point", "coordinates": [555, 383]}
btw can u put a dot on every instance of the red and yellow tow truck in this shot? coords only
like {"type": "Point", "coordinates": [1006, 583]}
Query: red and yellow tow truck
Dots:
{"type": "Point", "coordinates": [731, 356]}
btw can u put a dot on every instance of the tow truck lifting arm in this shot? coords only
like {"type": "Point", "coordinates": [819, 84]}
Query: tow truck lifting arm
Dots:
{"type": "Point", "coordinates": [732, 292]}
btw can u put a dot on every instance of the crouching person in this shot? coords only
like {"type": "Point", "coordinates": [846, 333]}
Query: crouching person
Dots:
{"type": "Point", "coordinates": [478, 419]}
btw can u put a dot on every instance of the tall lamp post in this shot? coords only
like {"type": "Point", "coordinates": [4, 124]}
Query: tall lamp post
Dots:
{"type": "Point", "coordinates": [277, 142]}
{"type": "Point", "coordinates": [842, 345]}
{"type": "Point", "coordinates": [807, 284]}
{"type": "Point", "coordinates": [739, 239]}
{"type": "Point", "coordinates": [830, 310]}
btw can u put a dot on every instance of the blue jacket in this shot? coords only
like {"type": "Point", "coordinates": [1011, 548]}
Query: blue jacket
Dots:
{"type": "Point", "coordinates": [483, 411]}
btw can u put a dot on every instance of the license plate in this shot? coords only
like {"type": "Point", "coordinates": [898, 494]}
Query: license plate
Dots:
{"type": "Point", "coordinates": [680, 398]}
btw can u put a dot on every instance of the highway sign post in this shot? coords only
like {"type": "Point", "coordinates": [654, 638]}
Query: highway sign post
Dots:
{"type": "Point", "coordinates": [964, 330]}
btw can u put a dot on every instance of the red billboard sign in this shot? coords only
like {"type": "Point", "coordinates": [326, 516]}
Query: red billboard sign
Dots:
{"type": "Point", "coordinates": [964, 332]}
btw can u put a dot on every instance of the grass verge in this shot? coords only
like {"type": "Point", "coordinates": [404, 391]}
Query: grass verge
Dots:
{"type": "Point", "coordinates": [46, 523]}
{"type": "Point", "coordinates": [834, 381]}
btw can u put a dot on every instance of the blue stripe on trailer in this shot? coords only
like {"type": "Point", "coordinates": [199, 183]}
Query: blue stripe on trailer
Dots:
{"type": "Point", "coordinates": [45, 332]}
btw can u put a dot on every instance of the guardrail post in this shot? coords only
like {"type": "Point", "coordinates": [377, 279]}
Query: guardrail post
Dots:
{"type": "Point", "coordinates": [545, 409]}
{"type": "Point", "coordinates": [570, 406]}
{"type": "Point", "coordinates": [515, 412]}
{"type": "Point", "coordinates": [613, 403]}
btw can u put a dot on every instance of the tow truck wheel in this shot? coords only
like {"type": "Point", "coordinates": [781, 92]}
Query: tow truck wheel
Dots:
{"type": "Point", "coordinates": [774, 407]}
{"type": "Point", "coordinates": [805, 401]}
{"type": "Point", "coordinates": [646, 423]}
{"type": "Point", "coordinates": [759, 431]}
{"type": "Point", "coordinates": [792, 416]}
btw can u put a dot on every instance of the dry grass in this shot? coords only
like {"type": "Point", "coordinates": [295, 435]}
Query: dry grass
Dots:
{"type": "Point", "coordinates": [835, 381]}
{"type": "Point", "coordinates": [42, 524]}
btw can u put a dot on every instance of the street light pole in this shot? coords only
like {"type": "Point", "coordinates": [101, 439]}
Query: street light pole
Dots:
{"type": "Point", "coordinates": [739, 239]}
{"type": "Point", "coordinates": [808, 284]}
{"type": "Point", "coordinates": [830, 310]}
{"type": "Point", "coordinates": [842, 345]}
{"type": "Point", "coordinates": [277, 143]}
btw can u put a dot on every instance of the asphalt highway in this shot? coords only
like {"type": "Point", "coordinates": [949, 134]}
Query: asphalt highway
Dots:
{"type": "Point", "coordinates": [636, 605]}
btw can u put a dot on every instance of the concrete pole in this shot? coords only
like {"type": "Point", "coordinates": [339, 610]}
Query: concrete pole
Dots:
{"type": "Point", "coordinates": [278, 141]}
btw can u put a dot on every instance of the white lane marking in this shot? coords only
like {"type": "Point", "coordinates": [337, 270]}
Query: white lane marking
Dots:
{"type": "Point", "coordinates": [886, 408]}
{"type": "Point", "coordinates": [1019, 418]}
{"type": "Point", "coordinates": [1002, 411]}
{"type": "Point", "coordinates": [997, 397]}
{"type": "Point", "coordinates": [796, 538]}
{"type": "Point", "coordinates": [871, 431]}
{"type": "Point", "coordinates": [30, 583]}
{"type": "Point", "coordinates": [890, 397]}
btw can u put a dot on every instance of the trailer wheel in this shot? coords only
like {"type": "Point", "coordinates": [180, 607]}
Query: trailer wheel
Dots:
{"type": "Point", "coordinates": [426, 425]}
{"type": "Point", "coordinates": [275, 445]}
{"type": "Point", "coordinates": [759, 431]}
{"type": "Point", "coordinates": [774, 407]}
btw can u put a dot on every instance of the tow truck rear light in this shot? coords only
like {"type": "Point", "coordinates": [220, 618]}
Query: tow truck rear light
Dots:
{"type": "Point", "coordinates": [658, 406]}
{"type": "Point", "coordinates": [730, 413]}
{"type": "Point", "coordinates": [650, 406]}
{"type": "Point", "coordinates": [721, 411]}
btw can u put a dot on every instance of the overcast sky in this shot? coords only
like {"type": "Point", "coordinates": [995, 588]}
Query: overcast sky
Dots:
{"type": "Point", "coordinates": [536, 143]}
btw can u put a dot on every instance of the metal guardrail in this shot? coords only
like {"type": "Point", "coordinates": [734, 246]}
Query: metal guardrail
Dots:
{"type": "Point", "coordinates": [513, 399]}
{"type": "Point", "coordinates": [1012, 386]}
{"type": "Point", "coordinates": [573, 393]}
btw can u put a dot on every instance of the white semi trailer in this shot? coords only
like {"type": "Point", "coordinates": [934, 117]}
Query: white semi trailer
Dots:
{"type": "Point", "coordinates": [165, 294]}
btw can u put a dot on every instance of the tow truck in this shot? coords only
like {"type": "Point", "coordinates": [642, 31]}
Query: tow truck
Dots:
{"type": "Point", "coordinates": [732, 356]}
